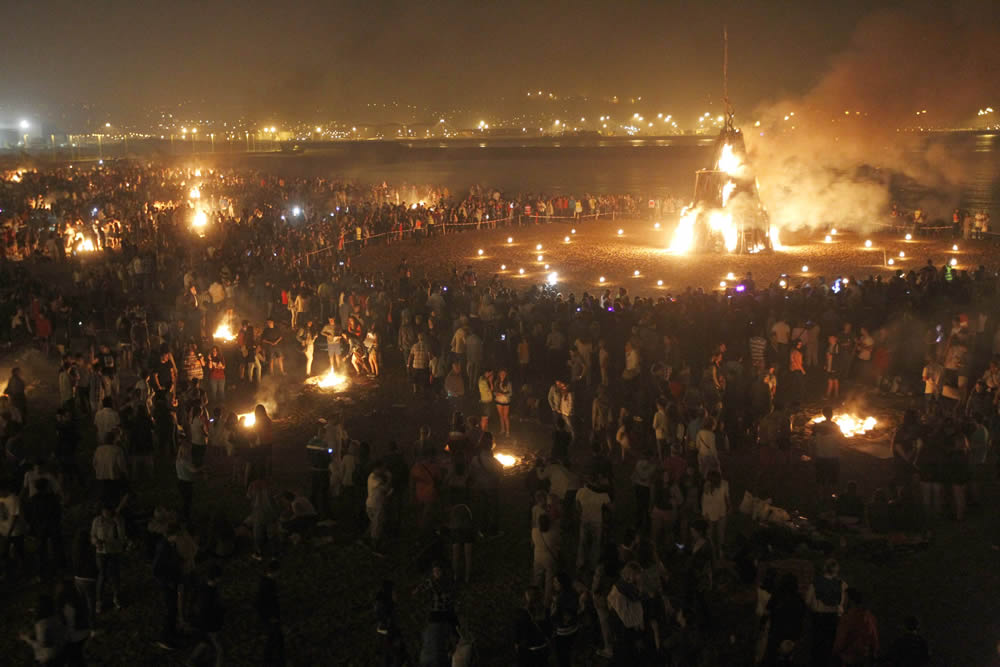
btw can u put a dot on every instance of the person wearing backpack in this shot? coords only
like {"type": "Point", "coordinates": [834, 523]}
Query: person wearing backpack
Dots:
{"type": "Point", "coordinates": [825, 598]}
{"type": "Point", "coordinates": [167, 571]}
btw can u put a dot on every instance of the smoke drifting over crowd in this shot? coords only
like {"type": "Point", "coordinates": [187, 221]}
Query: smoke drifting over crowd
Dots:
{"type": "Point", "coordinates": [903, 69]}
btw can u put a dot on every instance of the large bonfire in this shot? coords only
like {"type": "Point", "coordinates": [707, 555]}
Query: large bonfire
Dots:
{"type": "Point", "coordinates": [726, 214]}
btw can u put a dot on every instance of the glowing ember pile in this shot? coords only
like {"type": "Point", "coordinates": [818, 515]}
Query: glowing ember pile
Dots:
{"type": "Point", "coordinates": [224, 333]}
{"type": "Point", "coordinates": [330, 380]}
{"type": "Point", "coordinates": [850, 425]}
{"type": "Point", "coordinates": [247, 419]}
{"type": "Point", "coordinates": [506, 460]}
{"type": "Point", "coordinates": [84, 244]}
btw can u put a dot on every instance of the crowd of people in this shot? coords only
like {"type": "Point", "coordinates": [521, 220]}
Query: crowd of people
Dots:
{"type": "Point", "coordinates": [163, 328]}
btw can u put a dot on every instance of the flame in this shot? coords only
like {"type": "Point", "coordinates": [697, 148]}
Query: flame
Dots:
{"type": "Point", "coordinates": [224, 333]}
{"type": "Point", "coordinates": [727, 191]}
{"type": "Point", "coordinates": [195, 193]}
{"type": "Point", "coordinates": [506, 460]}
{"type": "Point", "coordinates": [721, 222]}
{"type": "Point", "coordinates": [200, 219]}
{"type": "Point", "coordinates": [849, 424]}
{"type": "Point", "coordinates": [683, 240]}
{"type": "Point", "coordinates": [248, 419]}
{"type": "Point", "coordinates": [773, 234]}
{"type": "Point", "coordinates": [729, 162]}
{"type": "Point", "coordinates": [84, 244]}
{"type": "Point", "coordinates": [330, 380]}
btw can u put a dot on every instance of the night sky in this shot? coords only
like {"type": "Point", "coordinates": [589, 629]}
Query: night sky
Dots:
{"type": "Point", "coordinates": [308, 56]}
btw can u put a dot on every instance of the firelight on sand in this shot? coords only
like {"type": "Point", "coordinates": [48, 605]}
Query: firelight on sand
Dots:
{"type": "Point", "coordinates": [224, 333]}
{"type": "Point", "coordinates": [329, 380]}
{"type": "Point", "coordinates": [506, 460]}
{"type": "Point", "coordinates": [850, 425]}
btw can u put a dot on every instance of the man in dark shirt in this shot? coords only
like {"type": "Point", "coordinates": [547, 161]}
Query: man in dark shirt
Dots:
{"type": "Point", "coordinates": [44, 513]}
{"type": "Point", "coordinates": [165, 372]}
{"type": "Point", "coordinates": [271, 338]}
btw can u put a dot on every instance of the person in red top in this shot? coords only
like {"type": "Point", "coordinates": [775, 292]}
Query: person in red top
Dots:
{"type": "Point", "coordinates": [857, 633]}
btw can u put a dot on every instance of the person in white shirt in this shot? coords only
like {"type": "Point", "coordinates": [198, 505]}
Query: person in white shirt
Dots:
{"type": "Point", "coordinates": [110, 468]}
{"type": "Point", "coordinates": [591, 502]}
{"type": "Point", "coordinates": [545, 538]}
{"type": "Point", "coordinates": [931, 376]}
{"type": "Point", "coordinates": [379, 489]}
{"type": "Point", "coordinates": [107, 534]}
{"type": "Point", "coordinates": [715, 508]}
{"type": "Point", "coordinates": [106, 420]}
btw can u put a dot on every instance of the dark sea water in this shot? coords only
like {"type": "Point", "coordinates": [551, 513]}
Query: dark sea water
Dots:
{"type": "Point", "coordinates": [646, 167]}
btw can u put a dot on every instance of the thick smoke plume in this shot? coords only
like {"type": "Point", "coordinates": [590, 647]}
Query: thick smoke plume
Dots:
{"type": "Point", "coordinates": [929, 67]}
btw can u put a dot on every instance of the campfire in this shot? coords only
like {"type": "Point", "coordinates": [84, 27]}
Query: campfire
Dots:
{"type": "Point", "coordinates": [506, 460]}
{"type": "Point", "coordinates": [850, 425]}
{"type": "Point", "coordinates": [83, 244]}
{"type": "Point", "coordinates": [329, 380]}
{"type": "Point", "coordinates": [247, 419]}
{"type": "Point", "coordinates": [224, 333]}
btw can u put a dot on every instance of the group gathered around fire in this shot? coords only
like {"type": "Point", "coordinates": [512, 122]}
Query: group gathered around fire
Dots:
{"type": "Point", "coordinates": [162, 333]}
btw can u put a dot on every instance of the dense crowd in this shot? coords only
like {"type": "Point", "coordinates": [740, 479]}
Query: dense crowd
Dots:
{"type": "Point", "coordinates": [162, 324]}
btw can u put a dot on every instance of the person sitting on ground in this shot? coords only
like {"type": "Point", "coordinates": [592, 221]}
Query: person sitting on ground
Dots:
{"type": "Point", "coordinates": [298, 516]}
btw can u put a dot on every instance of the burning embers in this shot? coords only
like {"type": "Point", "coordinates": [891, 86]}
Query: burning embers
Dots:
{"type": "Point", "coordinates": [850, 425]}
{"type": "Point", "coordinates": [506, 460]}
{"type": "Point", "coordinates": [224, 333]}
{"type": "Point", "coordinates": [329, 380]}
